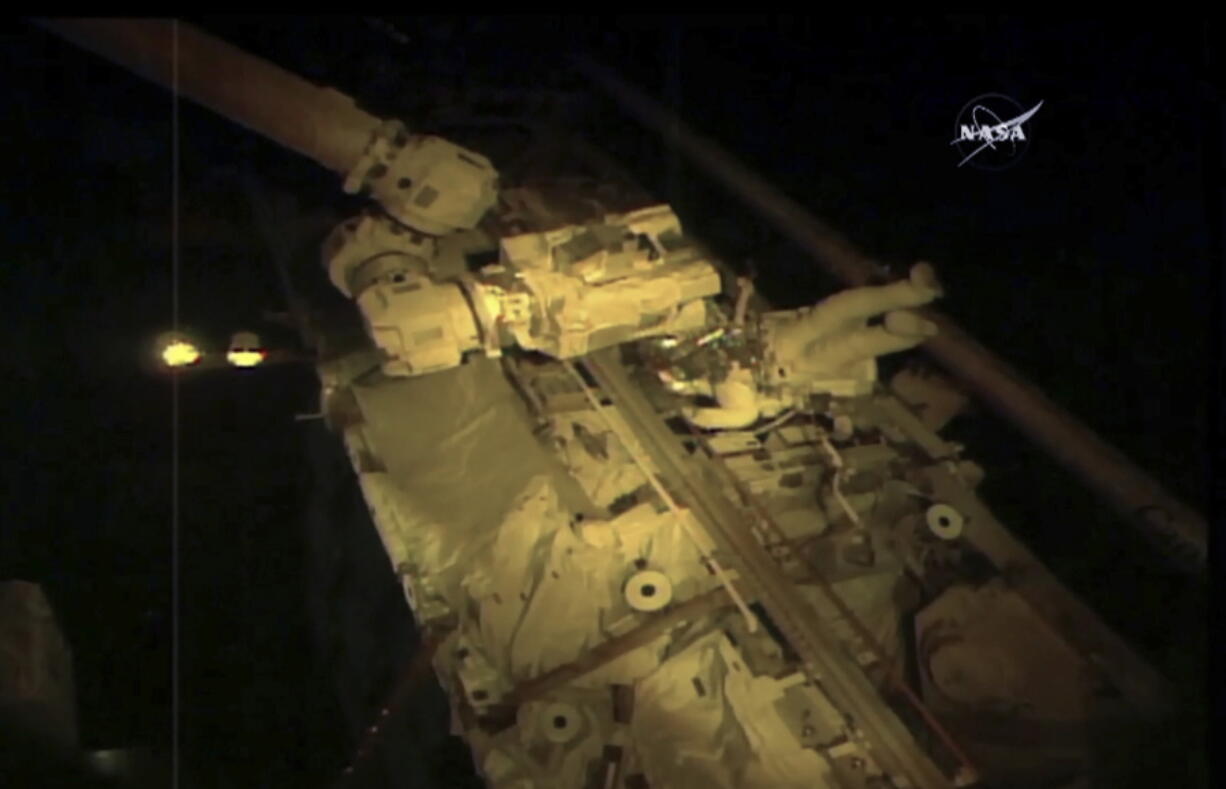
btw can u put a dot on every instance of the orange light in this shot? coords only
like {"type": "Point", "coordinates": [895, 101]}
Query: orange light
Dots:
{"type": "Point", "coordinates": [246, 357]}
{"type": "Point", "coordinates": [180, 353]}
{"type": "Point", "coordinates": [246, 350]}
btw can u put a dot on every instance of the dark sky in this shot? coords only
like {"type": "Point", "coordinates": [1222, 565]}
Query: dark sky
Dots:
{"type": "Point", "coordinates": [1090, 265]}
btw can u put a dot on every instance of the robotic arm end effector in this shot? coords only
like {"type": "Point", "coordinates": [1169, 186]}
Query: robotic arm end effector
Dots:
{"type": "Point", "coordinates": [427, 183]}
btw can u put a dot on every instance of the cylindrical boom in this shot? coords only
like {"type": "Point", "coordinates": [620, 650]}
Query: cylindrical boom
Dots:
{"type": "Point", "coordinates": [322, 124]}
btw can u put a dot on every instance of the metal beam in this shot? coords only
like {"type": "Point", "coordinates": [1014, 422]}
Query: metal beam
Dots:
{"type": "Point", "coordinates": [1129, 490]}
{"type": "Point", "coordinates": [604, 653]}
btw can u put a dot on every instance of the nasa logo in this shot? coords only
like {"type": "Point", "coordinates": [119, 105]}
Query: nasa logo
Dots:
{"type": "Point", "coordinates": [985, 141]}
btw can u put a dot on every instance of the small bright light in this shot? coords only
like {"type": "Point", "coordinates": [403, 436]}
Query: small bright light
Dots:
{"type": "Point", "coordinates": [245, 349]}
{"type": "Point", "coordinates": [180, 353]}
{"type": "Point", "coordinates": [245, 358]}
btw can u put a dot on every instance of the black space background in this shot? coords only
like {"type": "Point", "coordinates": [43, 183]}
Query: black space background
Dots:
{"type": "Point", "coordinates": [1092, 265]}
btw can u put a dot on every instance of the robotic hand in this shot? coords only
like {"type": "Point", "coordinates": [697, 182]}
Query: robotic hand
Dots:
{"type": "Point", "coordinates": [829, 348]}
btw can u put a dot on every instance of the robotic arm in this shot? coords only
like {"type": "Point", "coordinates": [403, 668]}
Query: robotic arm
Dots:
{"type": "Point", "coordinates": [577, 289]}
{"type": "Point", "coordinates": [565, 292]}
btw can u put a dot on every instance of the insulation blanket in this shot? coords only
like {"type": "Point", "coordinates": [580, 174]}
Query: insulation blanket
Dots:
{"type": "Point", "coordinates": [458, 451]}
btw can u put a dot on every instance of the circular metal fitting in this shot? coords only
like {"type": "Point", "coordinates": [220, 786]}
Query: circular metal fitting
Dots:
{"type": "Point", "coordinates": [561, 722]}
{"type": "Point", "coordinates": [944, 521]}
{"type": "Point", "coordinates": [648, 590]}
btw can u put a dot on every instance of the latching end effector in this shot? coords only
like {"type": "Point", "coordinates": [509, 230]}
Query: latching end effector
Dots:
{"type": "Point", "coordinates": [425, 182]}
